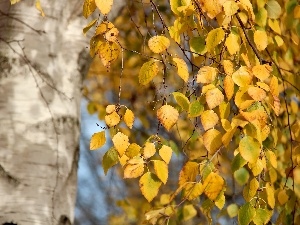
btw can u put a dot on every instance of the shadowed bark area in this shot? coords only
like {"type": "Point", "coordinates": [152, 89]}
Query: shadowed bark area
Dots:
{"type": "Point", "coordinates": [40, 78]}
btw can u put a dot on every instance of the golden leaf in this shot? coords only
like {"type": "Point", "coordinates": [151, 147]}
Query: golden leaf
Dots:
{"type": "Point", "coordinates": [112, 119]}
{"type": "Point", "coordinates": [242, 77]}
{"type": "Point", "coordinates": [97, 140]}
{"type": "Point", "coordinates": [250, 189]}
{"type": "Point", "coordinates": [270, 195]}
{"type": "Point", "coordinates": [228, 67]}
{"type": "Point", "coordinates": [104, 5]}
{"type": "Point", "coordinates": [262, 72]}
{"type": "Point", "coordinates": [112, 35]}
{"type": "Point", "coordinates": [230, 8]}
{"type": "Point", "coordinates": [214, 98]}
{"type": "Point", "coordinates": [260, 39]}
{"type": "Point", "coordinates": [134, 168]}
{"type": "Point", "coordinates": [274, 86]}
{"type": "Point", "coordinates": [158, 44]}
{"type": "Point", "coordinates": [212, 7]}
{"type": "Point", "coordinates": [214, 37]}
{"type": "Point", "coordinates": [129, 118]}
{"type": "Point", "coordinates": [228, 87]}
{"type": "Point", "coordinates": [168, 116]}
{"type": "Point", "coordinates": [212, 140]}
{"type": "Point", "coordinates": [89, 7]}
{"type": "Point", "coordinates": [263, 85]}
{"type": "Point", "coordinates": [182, 69]}
{"type": "Point", "coordinates": [206, 75]}
{"type": "Point", "coordinates": [232, 43]}
{"type": "Point", "coordinates": [110, 109]}
{"type": "Point", "coordinates": [147, 72]}
{"type": "Point", "coordinates": [161, 170]}
{"type": "Point", "coordinates": [121, 142]}
{"type": "Point", "coordinates": [249, 149]}
{"type": "Point", "coordinates": [165, 153]}
{"type": "Point", "coordinates": [104, 27]}
{"type": "Point", "coordinates": [257, 93]}
{"type": "Point", "coordinates": [149, 150]}
{"type": "Point", "coordinates": [108, 52]}
{"type": "Point", "coordinates": [213, 185]}
{"type": "Point", "coordinates": [209, 119]}
{"type": "Point", "coordinates": [149, 185]}
{"type": "Point", "coordinates": [188, 173]}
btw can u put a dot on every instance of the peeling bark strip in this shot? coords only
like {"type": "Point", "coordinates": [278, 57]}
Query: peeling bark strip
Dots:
{"type": "Point", "coordinates": [39, 110]}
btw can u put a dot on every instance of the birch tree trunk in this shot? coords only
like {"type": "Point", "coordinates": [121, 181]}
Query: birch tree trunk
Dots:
{"type": "Point", "coordinates": [40, 78]}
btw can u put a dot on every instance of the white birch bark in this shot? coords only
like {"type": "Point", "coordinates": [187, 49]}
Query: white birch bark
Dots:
{"type": "Point", "coordinates": [39, 110]}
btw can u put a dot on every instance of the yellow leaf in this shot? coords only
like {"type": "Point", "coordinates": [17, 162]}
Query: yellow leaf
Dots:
{"type": "Point", "coordinates": [282, 197]}
{"type": "Point", "coordinates": [209, 119]}
{"type": "Point", "coordinates": [121, 142]}
{"type": "Point", "coordinates": [206, 75]}
{"type": "Point", "coordinates": [110, 109]}
{"type": "Point", "coordinates": [133, 150]}
{"type": "Point", "coordinates": [129, 118]}
{"type": "Point", "coordinates": [270, 195]}
{"type": "Point", "coordinates": [228, 136]}
{"type": "Point", "coordinates": [182, 69]}
{"type": "Point", "coordinates": [274, 86]}
{"type": "Point", "coordinates": [212, 140]}
{"type": "Point", "coordinates": [158, 44]}
{"type": "Point", "coordinates": [242, 77]}
{"type": "Point", "coordinates": [214, 37]}
{"type": "Point", "coordinates": [89, 7]}
{"type": "Point", "coordinates": [167, 116]}
{"type": "Point", "coordinates": [257, 93]}
{"type": "Point", "coordinates": [161, 170]}
{"type": "Point", "coordinates": [258, 166]}
{"type": "Point", "coordinates": [232, 210]}
{"type": "Point", "coordinates": [260, 39]}
{"type": "Point", "coordinates": [249, 149]}
{"type": "Point", "coordinates": [274, 25]}
{"type": "Point", "coordinates": [188, 173]}
{"type": "Point", "coordinates": [165, 153]}
{"type": "Point", "coordinates": [262, 72]}
{"type": "Point", "coordinates": [149, 150]}
{"type": "Point", "coordinates": [104, 27]}
{"type": "Point", "coordinates": [134, 168]}
{"type": "Point", "coordinates": [104, 5]}
{"type": "Point", "coordinates": [123, 159]}
{"type": "Point", "coordinates": [112, 119]}
{"type": "Point", "coordinates": [228, 67]}
{"type": "Point", "coordinates": [279, 41]}
{"type": "Point", "coordinates": [108, 52]}
{"type": "Point", "coordinates": [250, 189]}
{"type": "Point", "coordinates": [271, 157]}
{"type": "Point", "coordinates": [147, 72]}
{"type": "Point", "coordinates": [220, 200]}
{"type": "Point", "coordinates": [112, 35]}
{"type": "Point", "coordinates": [214, 98]}
{"type": "Point", "coordinates": [97, 140]}
{"type": "Point", "coordinates": [14, 1]}
{"type": "Point", "coordinates": [263, 85]}
{"type": "Point", "coordinates": [188, 212]}
{"type": "Point", "coordinates": [213, 185]}
{"type": "Point", "coordinates": [242, 99]}
{"type": "Point", "coordinates": [297, 12]}
{"type": "Point", "coordinates": [211, 7]}
{"type": "Point", "coordinates": [149, 185]}
{"type": "Point", "coordinates": [246, 4]}
{"type": "Point", "coordinates": [193, 191]}
{"type": "Point", "coordinates": [226, 124]}
{"type": "Point", "coordinates": [224, 110]}
{"type": "Point", "coordinates": [232, 43]}
{"type": "Point", "coordinates": [89, 26]}
{"type": "Point", "coordinates": [228, 87]}
{"type": "Point", "coordinates": [39, 7]}
{"type": "Point", "coordinates": [230, 8]}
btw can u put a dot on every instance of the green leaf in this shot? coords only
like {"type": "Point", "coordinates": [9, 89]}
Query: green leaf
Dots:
{"type": "Point", "coordinates": [232, 210]}
{"type": "Point", "coordinates": [188, 212]}
{"type": "Point", "coordinates": [273, 9]}
{"type": "Point", "coordinates": [110, 159]}
{"type": "Point", "coordinates": [97, 140]}
{"type": "Point", "coordinates": [246, 214]}
{"type": "Point", "coordinates": [197, 45]}
{"type": "Point", "coordinates": [262, 216]}
{"type": "Point", "coordinates": [149, 185]}
{"type": "Point", "coordinates": [214, 38]}
{"type": "Point", "coordinates": [261, 17]}
{"type": "Point", "coordinates": [249, 149]}
{"type": "Point", "coordinates": [241, 176]}
{"type": "Point", "coordinates": [238, 162]}
{"type": "Point", "coordinates": [181, 100]}
{"type": "Point", "coordinates": [147, 72]}
{"type": "Point", "coordinates": [161, 170]}
{"type": "Point", "coordinates": [195, 109]}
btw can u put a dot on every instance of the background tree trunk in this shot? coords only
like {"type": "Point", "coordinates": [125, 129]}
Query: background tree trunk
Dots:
{"type": "Point", "coordinates": [41, 63]}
